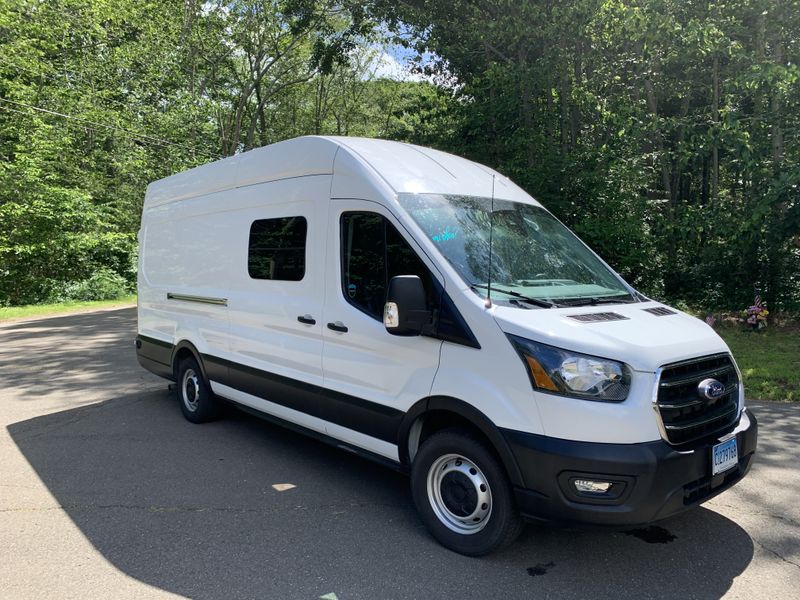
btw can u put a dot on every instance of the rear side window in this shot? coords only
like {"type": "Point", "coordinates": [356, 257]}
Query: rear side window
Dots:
{"type": "Point", "coordinates": [277, 249]}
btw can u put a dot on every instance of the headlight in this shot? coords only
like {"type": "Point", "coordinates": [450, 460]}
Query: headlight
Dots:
{"type": "Point", "coordinates": [567, 373]}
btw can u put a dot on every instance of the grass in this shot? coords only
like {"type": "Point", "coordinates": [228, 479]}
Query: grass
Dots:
{"type": "Point", "coordinates": [769, 360]}
{"type": "Point", "coordinates": [9, 313]}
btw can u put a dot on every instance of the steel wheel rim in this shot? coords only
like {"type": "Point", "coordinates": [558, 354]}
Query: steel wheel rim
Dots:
{"type": "Point", "coordinates": [459, 494]}
{"type": "Point", "coordinates": [190, 390]}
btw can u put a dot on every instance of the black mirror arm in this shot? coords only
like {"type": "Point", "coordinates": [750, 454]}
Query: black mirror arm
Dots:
{"type": "Point", "coordinates": [430, 325]}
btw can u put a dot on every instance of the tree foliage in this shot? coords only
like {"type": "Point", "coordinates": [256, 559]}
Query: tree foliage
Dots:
{"type": "Point", "coordinates": [100, 97]}
{"type": "Point", "coordinates": [665, 132]}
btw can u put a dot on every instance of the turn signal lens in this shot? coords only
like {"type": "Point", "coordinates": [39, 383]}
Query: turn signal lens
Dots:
{"type": "Point", "coordinates": [391, 315]}
{"type": "Point", "coordinates": [539, 375]}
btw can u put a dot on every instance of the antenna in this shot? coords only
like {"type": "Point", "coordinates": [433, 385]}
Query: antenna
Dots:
{"type": "Point", "coordinates": [488, 303]}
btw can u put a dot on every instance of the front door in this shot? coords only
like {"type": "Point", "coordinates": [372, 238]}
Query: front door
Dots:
{"type": "Point", "coordinates": [373, 377]}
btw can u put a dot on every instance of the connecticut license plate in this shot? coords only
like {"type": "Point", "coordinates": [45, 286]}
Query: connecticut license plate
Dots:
{"type": "Point", "coordinates": [724, 456]}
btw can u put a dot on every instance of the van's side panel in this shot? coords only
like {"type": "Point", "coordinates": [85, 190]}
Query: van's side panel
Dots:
{"type": "Point", "coordinates": [184, 274]}
{"type": "Point", "coordinates": [265, 331]}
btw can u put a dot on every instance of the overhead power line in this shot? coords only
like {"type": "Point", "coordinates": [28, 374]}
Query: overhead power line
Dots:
{"type": "Point", "coordinates": [58, 78]}
{"type": "Point", "coordinates": [94, 124]}
{"type": "Point", "coordinates": [136, 139]}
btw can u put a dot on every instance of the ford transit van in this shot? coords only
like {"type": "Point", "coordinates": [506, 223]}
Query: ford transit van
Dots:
{"type": "Point", "coordinates": [423, 311]}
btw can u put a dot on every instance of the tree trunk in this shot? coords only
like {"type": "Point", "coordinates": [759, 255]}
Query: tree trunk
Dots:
{"type": "Point", "coordinates": [574, 116]}
{"type": "Point", "coordinates": [715, 141]}
{"type": "Point", "coordinates": [492, 117]}
{"type": "Point", "coordinates": [775, 109]}
{"type": "Point", "coordinates": [526, 107]}
{"type": "Point", "coordinates": [652, 106]}
{"type": "Point", "coordinates": [564, 94]}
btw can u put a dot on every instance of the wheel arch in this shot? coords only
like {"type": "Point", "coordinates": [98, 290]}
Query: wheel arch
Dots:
{"type": "Point", "coordinates": [184, 349]}
{"type": "Point", "coordinates": [439, 412]}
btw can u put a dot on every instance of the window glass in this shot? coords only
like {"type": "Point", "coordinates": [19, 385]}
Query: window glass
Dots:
{"type": "Point", "coordinates": [277, 249]}
{"type": "Point", "coordinates": [373, 252]}
{"type": "Point", "coordinates": [401, 258]}
{"type": "Point", "coordinates": [531, 252]}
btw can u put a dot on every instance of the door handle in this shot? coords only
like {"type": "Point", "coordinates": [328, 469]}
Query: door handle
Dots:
{"type": "Point", "coordinates": [338, 326]}
{"type": "Point", "coordinates": [307, 319]}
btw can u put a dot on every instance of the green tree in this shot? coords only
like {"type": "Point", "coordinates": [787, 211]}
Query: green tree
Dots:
{"type": "Point", "coordinates": [656, 128]}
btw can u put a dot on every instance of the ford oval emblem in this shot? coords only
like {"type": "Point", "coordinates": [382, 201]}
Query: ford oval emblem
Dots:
{"type": "Point", "coordinates": [710, 388]}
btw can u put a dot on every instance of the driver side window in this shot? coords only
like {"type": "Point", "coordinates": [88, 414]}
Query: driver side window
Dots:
{"type": "Point", "coordinates": [373, 252]}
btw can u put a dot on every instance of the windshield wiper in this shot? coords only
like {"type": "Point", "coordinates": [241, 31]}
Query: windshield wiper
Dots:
{"type": "Point", "coordinates": [523, 297]}
{"type": "Point", "coordinates": [595, 301]}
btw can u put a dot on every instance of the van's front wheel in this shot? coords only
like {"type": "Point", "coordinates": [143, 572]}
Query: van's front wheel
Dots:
{"type": "Point", "coordinates": [198, 402]}
{"type": "Point", "coordinates": [462, 494]}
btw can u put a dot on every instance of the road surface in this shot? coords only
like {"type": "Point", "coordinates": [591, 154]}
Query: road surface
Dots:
{"type": "Point", "coordinates": [107, 492]}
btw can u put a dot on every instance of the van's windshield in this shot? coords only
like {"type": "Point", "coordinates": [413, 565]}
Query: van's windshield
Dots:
{"type": "Point", "coordinates": [536, 261]}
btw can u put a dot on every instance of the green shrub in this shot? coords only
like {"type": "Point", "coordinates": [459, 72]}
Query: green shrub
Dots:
{"type": "Point", "coordinates": [104, 284]}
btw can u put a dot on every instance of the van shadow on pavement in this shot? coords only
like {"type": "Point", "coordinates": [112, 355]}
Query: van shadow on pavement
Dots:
{"type": "Point", "coordinates": [70, 354]}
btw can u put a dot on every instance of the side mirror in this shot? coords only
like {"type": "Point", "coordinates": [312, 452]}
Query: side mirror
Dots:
{"type": "Point", "coordinates": [405, 312]}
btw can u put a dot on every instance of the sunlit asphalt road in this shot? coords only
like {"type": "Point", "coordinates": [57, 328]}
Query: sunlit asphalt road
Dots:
{"type": "Point", "coordinates": [107, 492]}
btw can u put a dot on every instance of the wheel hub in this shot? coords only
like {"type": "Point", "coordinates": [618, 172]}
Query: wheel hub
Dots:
{"type": "Point", "coordinates": [459, 494]}
{"type": "Point", "coordinates": [191, 390]}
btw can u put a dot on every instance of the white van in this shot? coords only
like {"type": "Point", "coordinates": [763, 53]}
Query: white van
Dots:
{"type": "Point", "coordinates": [423, 311]}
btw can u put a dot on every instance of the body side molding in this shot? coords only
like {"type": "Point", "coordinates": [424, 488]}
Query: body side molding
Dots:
{"type": "Point", "coordinates": [369, 418]}
{"type": "Point", "coordinates": [199, 299]}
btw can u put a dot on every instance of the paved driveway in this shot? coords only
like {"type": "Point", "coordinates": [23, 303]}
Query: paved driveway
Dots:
{"type": "Point", "coordinates": [107, 492]}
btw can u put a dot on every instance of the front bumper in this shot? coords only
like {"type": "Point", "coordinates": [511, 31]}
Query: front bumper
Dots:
{"type": "Point", "coordinates": [653, 480]}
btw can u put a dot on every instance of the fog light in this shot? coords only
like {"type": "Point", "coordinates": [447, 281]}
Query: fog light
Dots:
{"type": "Point", "coordinates": [590, 486]}
{"type": "Point", "coordinates": [595, 488]}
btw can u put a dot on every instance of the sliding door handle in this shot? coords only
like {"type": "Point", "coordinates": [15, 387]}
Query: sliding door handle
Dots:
{"type": "Point", "coordinates": [337, 326]}
{"type": "Point", "coordinates": [307, 319]}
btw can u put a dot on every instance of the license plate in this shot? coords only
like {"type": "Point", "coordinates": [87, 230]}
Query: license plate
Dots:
{"type": "Point", "coordinates": [724, 456]}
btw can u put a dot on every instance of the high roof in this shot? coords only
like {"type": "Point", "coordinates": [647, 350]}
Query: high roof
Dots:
{"type": "Point", "coordinates": [404, 168]}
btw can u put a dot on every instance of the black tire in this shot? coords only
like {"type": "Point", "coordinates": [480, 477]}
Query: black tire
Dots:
{"type": "Point", "coordinates": [458, 464]}
{"type": "Point", "coordinates": [198, 403]}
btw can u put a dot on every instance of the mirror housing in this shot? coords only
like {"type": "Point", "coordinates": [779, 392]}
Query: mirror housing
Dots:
{"type": "Point", "coordinates": [405, 312]}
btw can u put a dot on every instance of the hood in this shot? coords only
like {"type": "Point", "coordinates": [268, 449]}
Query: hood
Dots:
{"type": "Point", "coordinates": [643, 340]}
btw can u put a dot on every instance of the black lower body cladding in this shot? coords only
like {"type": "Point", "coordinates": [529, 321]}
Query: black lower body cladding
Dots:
{"type": "Point", "coordinates": [370, 418]}
{"type": "Point", "coordinates": [651, 481]}
{"type": "Point", "coordinates": [155, 356]}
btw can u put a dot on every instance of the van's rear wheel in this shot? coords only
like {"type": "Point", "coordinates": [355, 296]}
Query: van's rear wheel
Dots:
{"type": "Point", "coordinates": [463, 495]}
{"type": "Point", "coordinates": [198, 402]}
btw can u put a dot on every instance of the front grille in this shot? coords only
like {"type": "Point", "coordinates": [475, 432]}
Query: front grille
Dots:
{"type": "Point", "coordinates": [687, 415]}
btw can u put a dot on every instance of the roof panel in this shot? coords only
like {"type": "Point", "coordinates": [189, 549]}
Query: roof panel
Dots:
{"type": "Point", "coordinates": [291, 158]}
{"type": "Point", "coordinates": [414, 169]}
{"type": "Point", "coordinates": [404, 168]}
